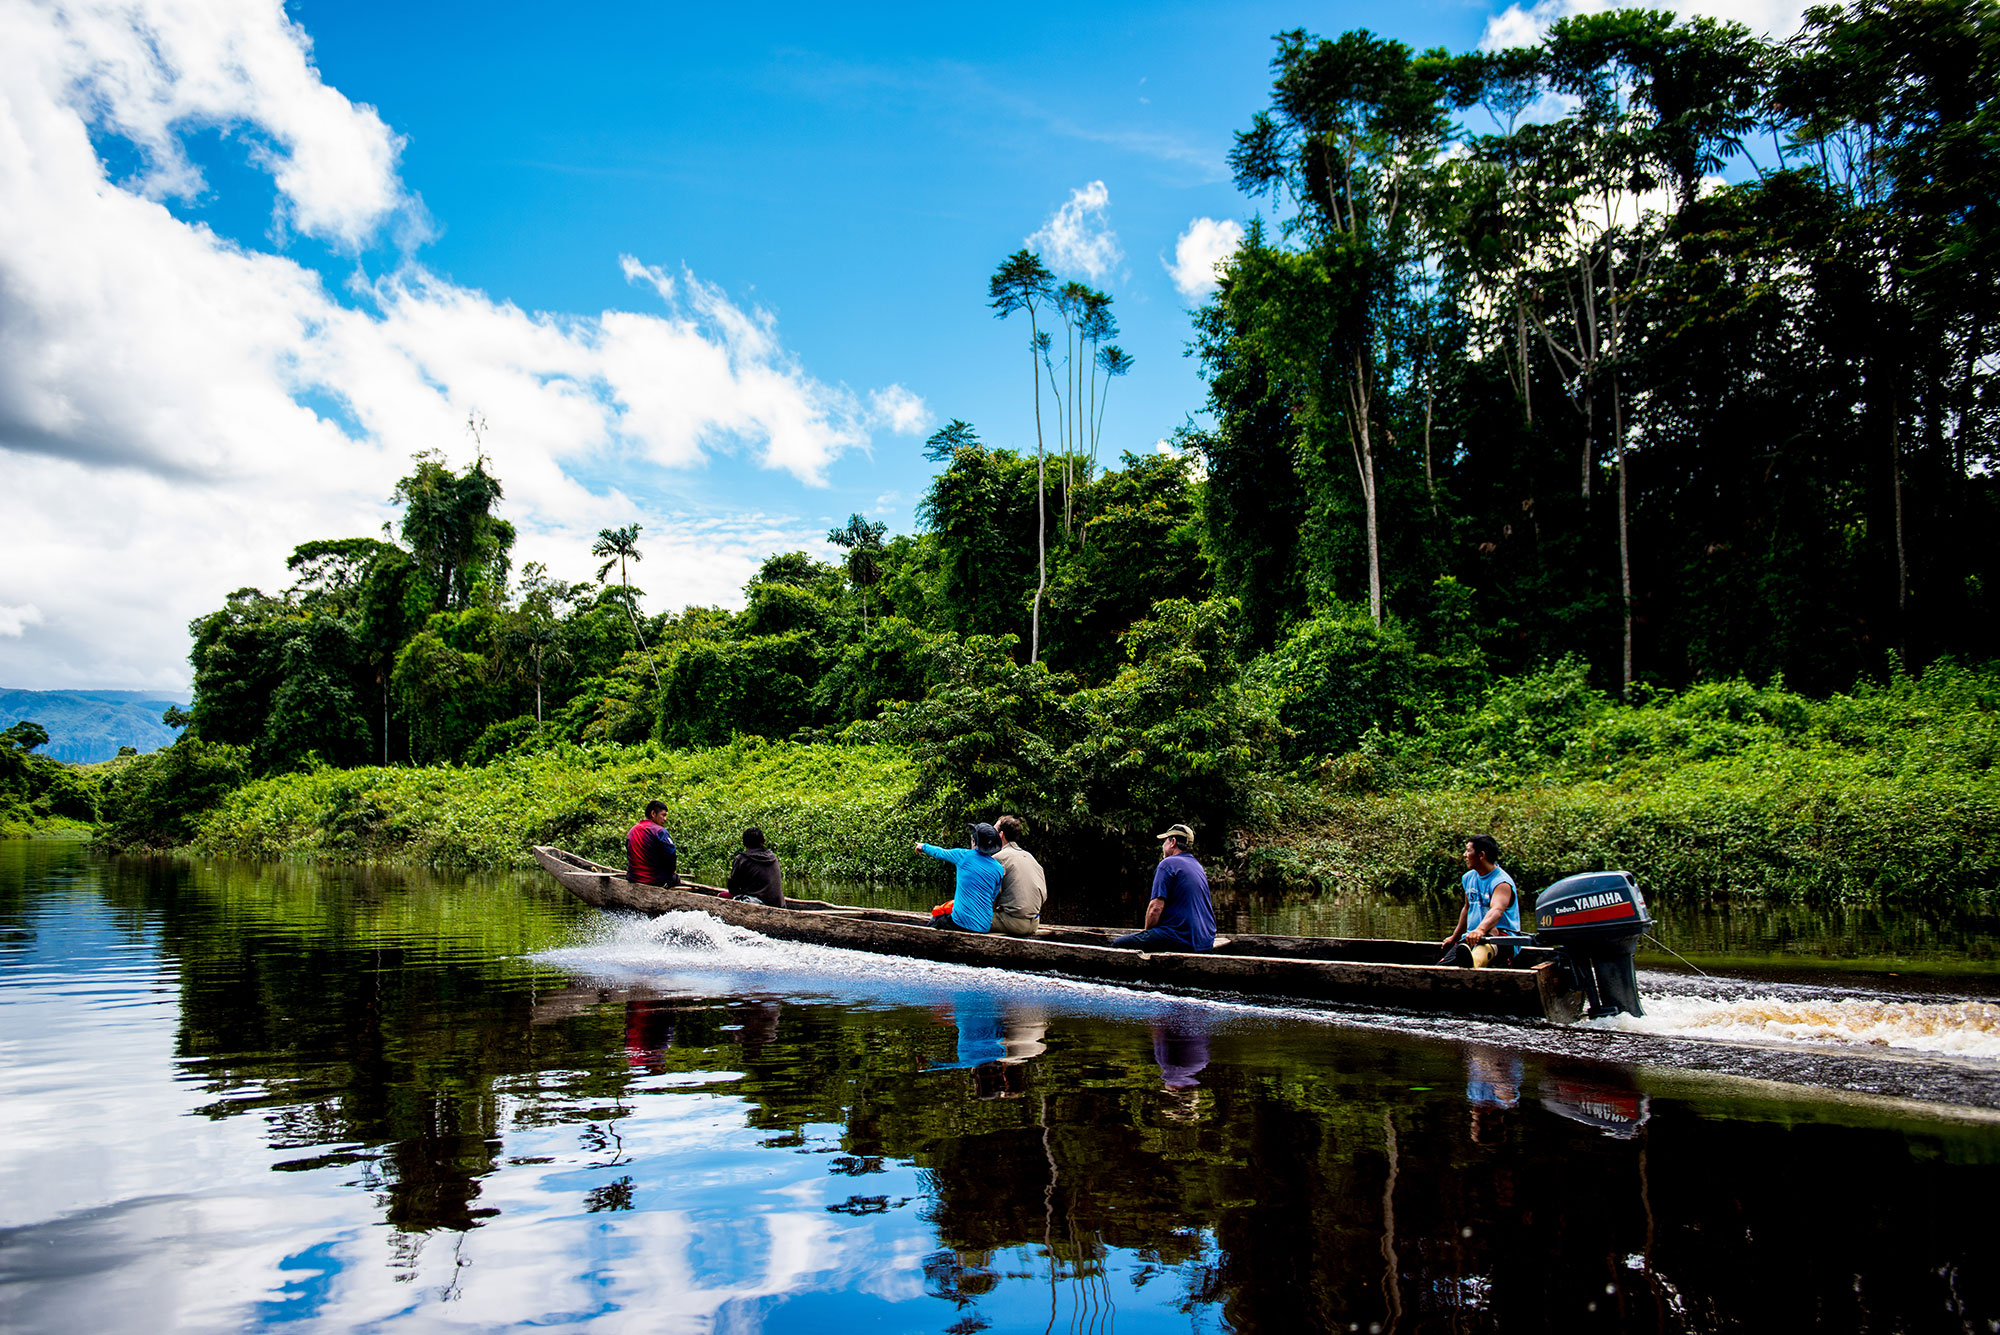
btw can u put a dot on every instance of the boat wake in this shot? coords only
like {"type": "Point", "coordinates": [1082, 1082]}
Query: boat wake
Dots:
{"type": "Point", "coordinates": [1929, 1048]}
{"type": "Point", "coordinates": [1953, 1028]}
{"type": "Point", "coordinates": [621, 943]}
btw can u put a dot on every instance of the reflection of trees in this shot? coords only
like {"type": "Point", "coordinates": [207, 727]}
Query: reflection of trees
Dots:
{"type": "Point", "coordinates": [374, 1020]}
{"type": "Point", "coordinates": [365, 1007]}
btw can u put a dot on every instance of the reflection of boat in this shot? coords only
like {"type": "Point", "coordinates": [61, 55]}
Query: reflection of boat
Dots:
{"type": "Point", "coordinates": [1618, 1110]}
{"type": "Point", "coordinates": [1394, 973]}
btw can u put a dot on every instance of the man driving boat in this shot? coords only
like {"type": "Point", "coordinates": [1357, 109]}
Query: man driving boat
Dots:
{"type": "Point", "coordinates": [1491, 905]}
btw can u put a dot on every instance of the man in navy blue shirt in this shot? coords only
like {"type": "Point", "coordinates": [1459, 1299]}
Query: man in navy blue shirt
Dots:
{"type": "Point", "coordinates": [1179, 916]}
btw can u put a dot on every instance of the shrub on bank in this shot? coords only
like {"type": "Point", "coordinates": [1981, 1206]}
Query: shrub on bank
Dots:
{"type": "Point", "coordinates": [1890, 792]}
{"type": "Point", "coordinates": [827, 809]}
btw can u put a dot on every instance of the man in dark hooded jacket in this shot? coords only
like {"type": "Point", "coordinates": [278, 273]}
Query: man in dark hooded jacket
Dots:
{"type": "Point", "coordinates": [754, 874]}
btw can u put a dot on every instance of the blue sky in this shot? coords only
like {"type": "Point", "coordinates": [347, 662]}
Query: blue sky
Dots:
{"type": "Point", "coordinates": [717, 271]}
{"type": "Point", "coordinates": [858, 175]}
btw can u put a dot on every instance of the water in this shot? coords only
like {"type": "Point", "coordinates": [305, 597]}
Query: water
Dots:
{"type": "Point", "coordinates": [244, 1097]}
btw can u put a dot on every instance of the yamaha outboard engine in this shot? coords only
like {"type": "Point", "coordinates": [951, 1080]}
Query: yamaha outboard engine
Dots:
{"type": "Point", "coordinates": [1594, 921]}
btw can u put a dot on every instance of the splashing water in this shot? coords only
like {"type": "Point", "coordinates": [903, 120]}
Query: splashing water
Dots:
{"type": "Point", "coordinates": [696, 954]}
{"type": "Point", "coordinates": [625, 943]}
{"type": "Point", "coordinates": [1954, 1028]}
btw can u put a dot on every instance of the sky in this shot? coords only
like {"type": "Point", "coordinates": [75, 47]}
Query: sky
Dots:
{"type": "Point", "coordinates": [714, 270]}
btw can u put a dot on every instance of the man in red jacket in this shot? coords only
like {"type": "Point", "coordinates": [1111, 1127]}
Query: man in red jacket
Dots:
{"type": "Point", "coordinates": [650, 855]}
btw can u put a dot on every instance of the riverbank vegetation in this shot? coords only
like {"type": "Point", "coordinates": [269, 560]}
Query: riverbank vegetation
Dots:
{"type": "Point", "coordinates": [830, 810]}
{"type": "Point", "coordinates": [1551, 485]}
{"type": "Point", "coordinates": [40, 796]}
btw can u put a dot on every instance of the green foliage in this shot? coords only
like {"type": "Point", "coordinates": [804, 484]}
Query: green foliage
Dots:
{"type": "Point", "coordinates": [759, 686]}
{"type": "Point", "coordinates": [314, 712]}
{"type": "Point", "coordinates": [456, 541]}
{"type": "Point", "coordinates": [1336, 676]}
{"type": "Point", "coordinates": [789, 609]}
{"type": "Point", "coordinates": [501, 738]}
{"type": "Point", "coordinates": [443, 689]}
{"type": "Point", "coordinates": [992, 735]}
{"type": "Point", "coordinates": [796, 570]}
{"type": "Point", "coordinates": [1804, 356]}
{"type": "Point", "coordinates": [24, 736]}
{"type": "Point", "coordinates": [861, 539]}
{"type": "Point", "coordinates": [981, 512]}
{"type": "Point", "coordinates": [1888, 792]}
{"type": "Point", "coordinates": [158, 800]}
{"type": "Point", "coordinates": [1178, 735]}
{"type": "Point", "coordinates": [38, 794]}
{"type": "Point", "coordinates": [1175, 736]}
{"type": "Point", "coordinates": [893, 661]}
{"type": "Point", "coordinates": [833, 810]}
{"type": "Point", "coordinates": [1139, 539]}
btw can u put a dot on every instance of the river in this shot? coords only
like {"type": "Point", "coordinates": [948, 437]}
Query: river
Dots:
{"type": "Point", "coordinates": [237, 1097]}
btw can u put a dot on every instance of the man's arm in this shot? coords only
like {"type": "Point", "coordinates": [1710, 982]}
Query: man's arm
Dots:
{"type": "Point", "coordinates": [1457, 930]}
{"type": "Point", "coordinates": [1503, 896]}
{"type": "Point", "coordinates": [1156, 907]}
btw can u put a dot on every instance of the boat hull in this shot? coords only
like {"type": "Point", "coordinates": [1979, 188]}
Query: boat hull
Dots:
{"type": "Point", "coordinates": [1388, 973]}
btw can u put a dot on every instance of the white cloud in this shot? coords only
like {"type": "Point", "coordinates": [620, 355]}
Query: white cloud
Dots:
{"type": "Point", "coordinates": [650, 274]}
{"type": "Point", "coordinates": [899, 409]}
{"type": "Point", "coordinates": [1206, 243]}
{"type": "Point", "coordinates": [14, 620]}
{"type": "Point", "coordinates": [1076, 238]}
{"type": "Point", "coordinates": [1519, 25]}
{"type": "Point", "coordinates": [147, 72]}
{"type": "Point", "coordinates": [178, 410]}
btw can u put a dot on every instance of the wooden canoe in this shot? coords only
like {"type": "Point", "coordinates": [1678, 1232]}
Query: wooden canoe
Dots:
{"type": "Point", "coordinates": [1308, 968]}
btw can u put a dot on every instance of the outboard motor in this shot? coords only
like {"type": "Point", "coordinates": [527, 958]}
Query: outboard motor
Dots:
{"type": "Point", "coordinates": [1594, 921]}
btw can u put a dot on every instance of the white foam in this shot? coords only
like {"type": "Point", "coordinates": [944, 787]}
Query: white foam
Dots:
{"type": "Point", "coordinates": [697, 954]}
{"type": "Point", "coordinates": [1953, 1028]}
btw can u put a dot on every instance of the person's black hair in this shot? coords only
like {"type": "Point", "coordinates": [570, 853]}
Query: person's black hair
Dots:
{"type": "Point", "coordinates": [1009, 826]}
{"type": "Point", "coordinates": [1487, 844]}
{"type": "Point", "coordinates": [651, 807]}
{"type": "Point", "coordinates": [753, 838]}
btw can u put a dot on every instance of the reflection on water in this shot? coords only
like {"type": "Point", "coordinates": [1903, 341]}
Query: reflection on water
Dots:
{"type": "Point", "coordinates": [1180, 1049]}
{"type": "Point", "coordinates": [340, 1099]}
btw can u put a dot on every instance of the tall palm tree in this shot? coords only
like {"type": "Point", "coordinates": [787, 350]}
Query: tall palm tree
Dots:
{"type": "Point", "coordinates": [618, 545]}
{"type": "Point", "coordinates": [1021, 281]}
{"type": "Point", "coordinates": [862, 541]}
{"type": "Point", "coordinates": [1114, 361]}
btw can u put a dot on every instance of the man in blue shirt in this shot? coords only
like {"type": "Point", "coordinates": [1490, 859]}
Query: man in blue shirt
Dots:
{"type": "Point", "coordinates": [1179, 916]}
{"type": "Point", "coordinates": [978, 884]}
{"type": "Point", "coordinates": [1491, 904]}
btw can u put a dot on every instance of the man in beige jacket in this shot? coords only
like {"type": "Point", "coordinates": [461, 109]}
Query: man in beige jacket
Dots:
{"type": "Point", "coordinates": [1023, 887]}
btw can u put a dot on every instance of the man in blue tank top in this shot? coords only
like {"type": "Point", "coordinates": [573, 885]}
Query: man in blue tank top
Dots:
{"type": "Point", "coordinates": [1491, 903]}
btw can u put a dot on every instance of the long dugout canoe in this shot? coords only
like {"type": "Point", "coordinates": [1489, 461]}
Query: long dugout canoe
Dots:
{"type": "Point", "coordinates": [1305, 968]}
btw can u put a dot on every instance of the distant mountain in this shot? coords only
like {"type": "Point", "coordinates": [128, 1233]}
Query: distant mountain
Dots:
{"type": "Point", "coordinates": [88, 726]}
